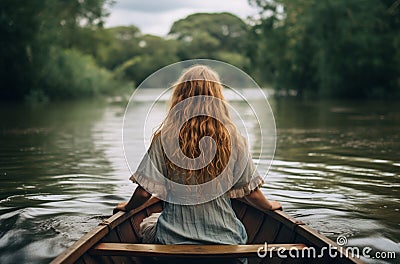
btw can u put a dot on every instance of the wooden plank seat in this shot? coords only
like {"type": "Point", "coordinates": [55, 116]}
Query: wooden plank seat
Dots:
{"type": "Point", "coordinates": [198, 251]}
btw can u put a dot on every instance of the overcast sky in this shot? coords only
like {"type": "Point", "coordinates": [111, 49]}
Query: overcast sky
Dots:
{"type": "Point", "coordinates": [156, 16]}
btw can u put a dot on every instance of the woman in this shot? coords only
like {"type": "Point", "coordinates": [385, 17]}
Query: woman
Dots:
{"type": "Point", "coordinates": [211, 221]}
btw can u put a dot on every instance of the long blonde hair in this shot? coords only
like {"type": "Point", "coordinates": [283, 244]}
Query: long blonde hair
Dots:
{"type": "Point", "coordinates": [199, 80]}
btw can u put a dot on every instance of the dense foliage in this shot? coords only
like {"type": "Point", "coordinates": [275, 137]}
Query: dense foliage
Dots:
{"type": "Point", "coordinates": [57, 49]}
{"type": "Point", "coordinates": [46, 49]}
{"type": "Point", "coordinates": [330, 48]}
{"type": "Point", "coordinates": [220, 36]}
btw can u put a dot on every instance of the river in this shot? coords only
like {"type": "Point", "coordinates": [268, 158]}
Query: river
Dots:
{"type": "Point", "coordinates": [62, 170]}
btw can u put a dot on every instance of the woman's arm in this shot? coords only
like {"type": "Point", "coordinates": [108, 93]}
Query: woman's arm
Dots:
{"type": "Point", "coordinates": [139, 197]}
{"type": "Point", "coordinates": [257, 199]}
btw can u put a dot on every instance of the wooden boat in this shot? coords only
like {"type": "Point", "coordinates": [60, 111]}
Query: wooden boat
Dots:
{"type": "Point", "coordinates": [116, 240]}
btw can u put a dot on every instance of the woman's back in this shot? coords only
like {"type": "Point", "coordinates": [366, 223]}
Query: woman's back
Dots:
{"type": "Point", "coordinates": [210, 222]}
{"type": "Point", "coordinates": [213, 222]}
{"type": "Point", "coordinates": [198, 161]}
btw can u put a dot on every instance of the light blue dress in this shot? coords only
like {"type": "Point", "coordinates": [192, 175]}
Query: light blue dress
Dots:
{"type": "Point", "coordinates": [212, 222]}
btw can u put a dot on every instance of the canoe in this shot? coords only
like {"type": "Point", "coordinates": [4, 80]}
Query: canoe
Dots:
{"type": "Point", "coordinates": [273, 237]}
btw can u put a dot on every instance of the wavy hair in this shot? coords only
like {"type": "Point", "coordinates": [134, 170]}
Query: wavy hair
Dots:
{"type": "Point", "coordinates": [199, 80]}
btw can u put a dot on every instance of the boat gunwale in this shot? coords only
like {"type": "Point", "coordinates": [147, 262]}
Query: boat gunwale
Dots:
{"type": "Point", "coordinates": [87, 241]}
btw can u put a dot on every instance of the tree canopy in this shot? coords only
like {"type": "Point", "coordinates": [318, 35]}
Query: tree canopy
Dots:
{"type": "Point", "coordinates": [333, 48]}
{"type": "Point", "coordinates": [320, 49]}
{"type": "Point", "coordinates": [45, 43]}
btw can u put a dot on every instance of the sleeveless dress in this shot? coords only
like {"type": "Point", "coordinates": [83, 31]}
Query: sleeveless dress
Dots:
{"type": "Point", "coordinates": [212, 222]}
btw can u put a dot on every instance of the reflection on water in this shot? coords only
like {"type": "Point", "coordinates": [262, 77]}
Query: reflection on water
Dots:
{"type": "Point", "coordinates": [62, 170]}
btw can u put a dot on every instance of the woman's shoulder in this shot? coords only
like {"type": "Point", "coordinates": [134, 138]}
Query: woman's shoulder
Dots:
{"type": "Point", "coordinates": [156, 144]}
{"type": "Point", "coordinates": [239, 145]}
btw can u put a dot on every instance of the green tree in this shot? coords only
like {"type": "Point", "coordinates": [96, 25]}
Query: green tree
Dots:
{"type": "Point", "coordinates": [211, 35]}
{"type": "Point", "coordinates": [134, 56]}
{"type": "Point", "coordinates": [31, 31]}
{"type": "Point", "coordinates": [120, 44]}
{"type": "Point", "coordinates": [156, 52]}
{"type": "Point", "coordinates": [19, 26]}
{"type": "Point", "coordinates": [328, 48]}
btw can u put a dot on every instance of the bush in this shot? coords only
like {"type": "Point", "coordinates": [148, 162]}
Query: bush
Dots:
{"type": "Point", "coordinates": [70, 74]}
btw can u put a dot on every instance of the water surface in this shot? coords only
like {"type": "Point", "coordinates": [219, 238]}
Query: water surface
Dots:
{"type": "Point", "coordinates": [62, 170]}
